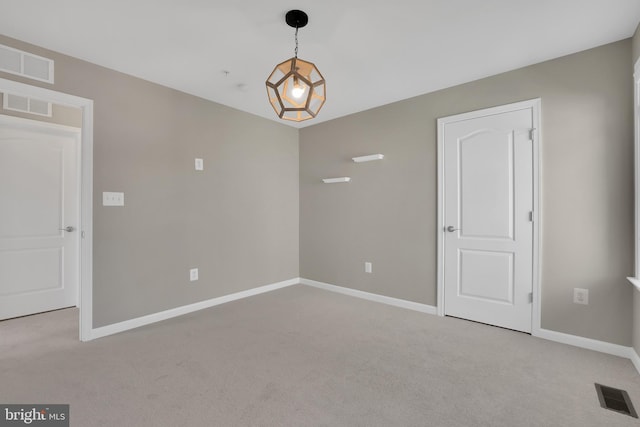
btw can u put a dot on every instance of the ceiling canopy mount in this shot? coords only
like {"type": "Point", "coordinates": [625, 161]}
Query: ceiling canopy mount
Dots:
{"type": "Point", "coordinates": [296, 18]}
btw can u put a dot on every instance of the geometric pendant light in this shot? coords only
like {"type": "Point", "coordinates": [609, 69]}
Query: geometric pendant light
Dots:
{"type": "Point", "coordinates": [296, 89]}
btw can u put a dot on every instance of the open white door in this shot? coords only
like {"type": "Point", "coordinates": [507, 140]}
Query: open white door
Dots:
{"type": "Point", "coordinates": [39, 217]}
{"type": "Point", "coordinates": [487, 217]}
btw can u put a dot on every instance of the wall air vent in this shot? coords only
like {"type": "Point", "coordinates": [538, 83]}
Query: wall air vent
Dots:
{"type": "Point", "coordinates": [25, 64]}
{"type": "Point", "coordinates": [24, 104]}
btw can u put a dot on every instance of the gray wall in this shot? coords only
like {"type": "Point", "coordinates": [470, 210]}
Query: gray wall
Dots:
{"type": "Point", "coordinates": [636, 45]}
{"type": "Point", "coordinates": [237, 221]}
{"type": "Point", "coordinates": [387, 214]}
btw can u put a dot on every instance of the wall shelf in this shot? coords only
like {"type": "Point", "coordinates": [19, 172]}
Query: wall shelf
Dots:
{"type": "Point", "coordinates": [368, 158]}
{"type": "Point", "coordinates": [336, 180]}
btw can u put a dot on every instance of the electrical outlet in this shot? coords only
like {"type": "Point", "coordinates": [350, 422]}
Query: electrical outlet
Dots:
{"type": "Point", "coordinates": [193, 274]}
{"type": "Point", "coordinates": [368, 267]}
{"type": "Point", "coordinates": [199, 164]}
{"type": "Point", "coordinates": [581, 296]}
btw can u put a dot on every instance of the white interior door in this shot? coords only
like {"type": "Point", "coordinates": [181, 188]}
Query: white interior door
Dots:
{"type": "Point", "coordinates": [39, 213]}
{"type": "Point", "coordinates": [488, 213]}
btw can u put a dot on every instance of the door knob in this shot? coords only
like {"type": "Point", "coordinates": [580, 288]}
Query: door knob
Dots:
{"type": "Point", "coordinates": [450, 229]}
{"type": "Point", "coordinates": [69, 229]}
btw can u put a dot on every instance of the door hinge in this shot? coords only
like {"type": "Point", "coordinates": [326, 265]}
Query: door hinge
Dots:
{"type": "Point", "coordinates": [531, 133]}
{"type": "Point", "coordinates": [530, 216]}
{"type": "Point", "coordinates": [530, 297]}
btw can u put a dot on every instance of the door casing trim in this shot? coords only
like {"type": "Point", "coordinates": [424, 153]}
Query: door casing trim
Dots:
{"type": "Point", "coordinates": [85, 253]}
{"type": "Point", "coordinates": [535, 105]}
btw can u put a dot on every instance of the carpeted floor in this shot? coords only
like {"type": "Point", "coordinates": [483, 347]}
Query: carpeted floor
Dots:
{"type": "Point", "coordinates": [301, 356]}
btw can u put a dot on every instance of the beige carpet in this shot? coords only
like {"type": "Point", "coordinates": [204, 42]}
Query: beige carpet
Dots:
{"type": "Point", "coordinates": [306, 357]}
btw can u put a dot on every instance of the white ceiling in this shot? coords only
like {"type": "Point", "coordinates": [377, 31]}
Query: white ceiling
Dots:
{"type": "Point", "coordinates": [371, 52]}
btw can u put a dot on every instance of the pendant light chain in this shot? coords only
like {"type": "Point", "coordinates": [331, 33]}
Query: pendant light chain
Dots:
{"type": "Point", "coordinates": [296, 51]}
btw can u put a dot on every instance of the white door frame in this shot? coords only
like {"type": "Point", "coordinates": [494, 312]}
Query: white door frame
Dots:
{"type": "Point", "coordinates": [85, 253]}
{"type": "Point", "coordinates": [535, 105]}
{"type": "Point", "coordinates": [636, 169]}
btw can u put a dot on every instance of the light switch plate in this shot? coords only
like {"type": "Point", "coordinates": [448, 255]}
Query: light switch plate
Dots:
{"type": "Point", "coordinates": [193, 274]}
{"type": "Point", "coordinates": [368, 267]}
{"type": "Point", "coordinates": [199, 164]}
{"type": "Point", "coordinates": [112, 199]}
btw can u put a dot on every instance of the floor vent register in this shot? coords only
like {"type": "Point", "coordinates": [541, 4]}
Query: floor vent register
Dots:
{"type": "Point", "coordinates": [615, 400]}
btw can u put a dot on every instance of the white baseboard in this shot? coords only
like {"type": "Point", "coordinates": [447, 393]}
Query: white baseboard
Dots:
{"type": "Point", "coordinates": [582, 342]}
{"type": "Point", "coordinates": [576, 341]}
{"type": "Point", "coordinates": [410, 305]}
{"type": "Point", "coordinates": [635, 359]}
{"type": "Point", "coordinates": [185, 309]}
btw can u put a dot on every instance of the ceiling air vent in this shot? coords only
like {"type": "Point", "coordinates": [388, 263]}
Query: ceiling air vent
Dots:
{"type": "Point", "coordinates": [24, 104]}
{"type": "Point", "coordinates": [25, 64]}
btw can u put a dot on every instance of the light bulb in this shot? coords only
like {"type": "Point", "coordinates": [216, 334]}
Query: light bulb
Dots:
{"type": "Point", "coordinates": [297, 91]}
